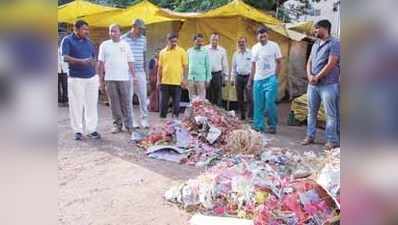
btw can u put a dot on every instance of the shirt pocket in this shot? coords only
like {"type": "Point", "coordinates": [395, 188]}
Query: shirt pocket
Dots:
{"type": "Point", "coordinates": [266, 61]}
{"type": "Point", "coordinates": [123, 52]}
{"type": "Point", "coordinates": [322, 57]}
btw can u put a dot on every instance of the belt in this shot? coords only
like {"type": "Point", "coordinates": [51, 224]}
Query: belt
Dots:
{"type": "Point", "coordinates": [217, 71]}
{"type": "Point", "coordinates": [244, 75]}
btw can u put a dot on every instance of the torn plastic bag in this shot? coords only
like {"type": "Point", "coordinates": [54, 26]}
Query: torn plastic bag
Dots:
{"type": "Point", "coordinates": [231, 113]}
{"type": "Point", "coordinates": [210, 161]}
{"type": "Point", "coordinates": [309, 197]}
{"type": "Point", "coordinates": [329, 178]}
{"type": "Point", "coordinates": [167, 152]}
{"type": "Point", "coordinates": [213, 135]}
{"type": "Point", "coordinates": [206, 192]}
{"type": "Point", "coordinates": [190, 196]}
{"type": "Point", "coordinates": [174, 194]}
{"type": "Point", "coordinates": [183, 138]}
{"type": "Point", "coordinates": [137, 136]}
{"type": "Point", "coordinates": [201, 120]}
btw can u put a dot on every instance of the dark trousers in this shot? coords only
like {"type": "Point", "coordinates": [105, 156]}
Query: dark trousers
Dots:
{"type": "Point", "coordinates": [214, 91]}
{"type": "Point", "coordinates": [62, 88]}
{"type": "Point", "coordinates": [167, 91]}
{"type": "Point", "coordinates": [241, 91]}
{"type": "Point", "coordinates": [119, 94]}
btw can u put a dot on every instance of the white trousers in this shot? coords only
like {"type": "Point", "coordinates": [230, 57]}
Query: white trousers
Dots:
{"type": "Point", "coordinates": [83, 98]}
{"type": "Point", "coordinates": [139, 87]}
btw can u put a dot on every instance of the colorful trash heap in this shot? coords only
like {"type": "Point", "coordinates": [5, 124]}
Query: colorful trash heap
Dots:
{"type": "Point", "coordinates": [281, 188]}
{"type": "Point", "coordinates": [246, 178]}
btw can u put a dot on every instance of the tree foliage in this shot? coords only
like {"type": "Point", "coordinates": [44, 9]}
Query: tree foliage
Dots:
{"type": "Point", "coordinates": [61, 2]}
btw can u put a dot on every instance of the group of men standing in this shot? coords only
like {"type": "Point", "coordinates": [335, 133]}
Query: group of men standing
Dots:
{"type": "Point", "coordinates": [201, 69]}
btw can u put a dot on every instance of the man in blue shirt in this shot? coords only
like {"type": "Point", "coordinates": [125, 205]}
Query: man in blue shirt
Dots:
{"type": "Point", "coordinates": [323, 72]}
{"type": "Point", "coordinates": [83, 83]}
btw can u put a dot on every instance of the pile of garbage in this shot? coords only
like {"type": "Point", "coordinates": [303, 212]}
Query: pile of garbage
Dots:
{"type": "Point", "coordinates": [212, 123]}
{"type": "Point", "coordinates": [288, 162]}
{"type": "Point", "coordinates": [266, 190]}
{"type": "Point", "coordinates": [201, 138]}
{"type": "Point", "coordinates": [246, 178]}
{"type": "Point", "coordinates": [173, 142]}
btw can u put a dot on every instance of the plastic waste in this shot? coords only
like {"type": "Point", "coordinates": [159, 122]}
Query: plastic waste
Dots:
{"type": "Point", "coordinates": [167, 152]}
{"type": "Point", "coordinates": [183, 138]}
{"type": "Point", "coordinates": [213, 135]}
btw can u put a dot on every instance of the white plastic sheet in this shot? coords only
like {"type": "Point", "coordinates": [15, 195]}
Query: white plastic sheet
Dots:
{"type": "Point", "coordinates": [198, 219]}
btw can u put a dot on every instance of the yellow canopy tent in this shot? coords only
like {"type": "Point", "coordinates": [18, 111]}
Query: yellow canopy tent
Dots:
{"type": "Point", "coordinates": [144, 10]}
{"type": "Point", "coordinates": [232, 21]}
{"type": "Point", "coordinates": [72, 11]}
{"type": "Point", "coordinates": [283, 30]}
{"type": "Point", "coordinates": [302, 27]}
{"type": "Point", "coordinates": [232, 9]}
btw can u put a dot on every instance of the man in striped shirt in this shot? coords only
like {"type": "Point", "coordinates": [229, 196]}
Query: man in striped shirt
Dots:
{"type": "Point", "coordinates": [138, 44]}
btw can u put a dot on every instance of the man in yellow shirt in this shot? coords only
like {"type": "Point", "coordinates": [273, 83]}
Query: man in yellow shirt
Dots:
{"type": "Point", "coordinates": [171, 75]}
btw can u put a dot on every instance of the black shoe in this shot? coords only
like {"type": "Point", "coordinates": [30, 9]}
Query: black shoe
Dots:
{"type": "Point", "coordinates": [94, 135]}
{"type": "Point", "coordinates": [116, 130]}
{"type": "Point", "coordinates": [271, 130]}
{"type": "Point", "coordinates": [78, 136]}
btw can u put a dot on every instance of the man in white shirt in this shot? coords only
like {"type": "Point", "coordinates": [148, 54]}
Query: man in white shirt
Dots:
{"type": "Point", "coordinates": [266, 66]}
{"type": "Point", "coordinates": [219, 69]}
{"type": "Point", "coordinates": [114, 67]}
{"type": "Point", "coordinates": [241, 68]}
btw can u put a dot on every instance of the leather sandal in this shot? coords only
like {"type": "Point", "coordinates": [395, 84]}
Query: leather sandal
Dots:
{"type": "Point", "coordinates": [308, 141]}
{"type": "Point", "coordinates": [330, 146]}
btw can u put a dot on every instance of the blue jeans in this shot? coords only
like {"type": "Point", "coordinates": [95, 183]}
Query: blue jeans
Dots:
{"type": "Point", "coordinates": [329, 96]}
{"type": "Point", "coordinates": [264, 97]}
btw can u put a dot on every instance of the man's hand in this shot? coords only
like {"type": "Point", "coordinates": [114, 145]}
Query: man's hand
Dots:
{"type": "Point", "coordinates": [158, 84]}
{"type": "Point", "coordinates": [315, 79]}
{"type": "Point", "coordinates": [86, 61]}
{"type": "Point", "coordinates": [225, 80]}
{"type": "Point", "coordinates": [93, 62]}
{"type": "Point", "coordinates": [312, 79]}
{"type": "Point", "coordinates": [249, 84]}
{"type": "Point", "coordinates": [89, 62]}
{"type": "Point", "coordinates": [184, 83]}
{"type": "Point", "coordinates": [102, 86]}
{"type": "Point", "coordinates": [233, 82]}
{"type": "Point", "coordinates": [207, 84]}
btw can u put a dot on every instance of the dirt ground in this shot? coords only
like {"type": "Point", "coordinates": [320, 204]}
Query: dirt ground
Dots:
{"type": "Point", "coordinates": [110, 182]}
